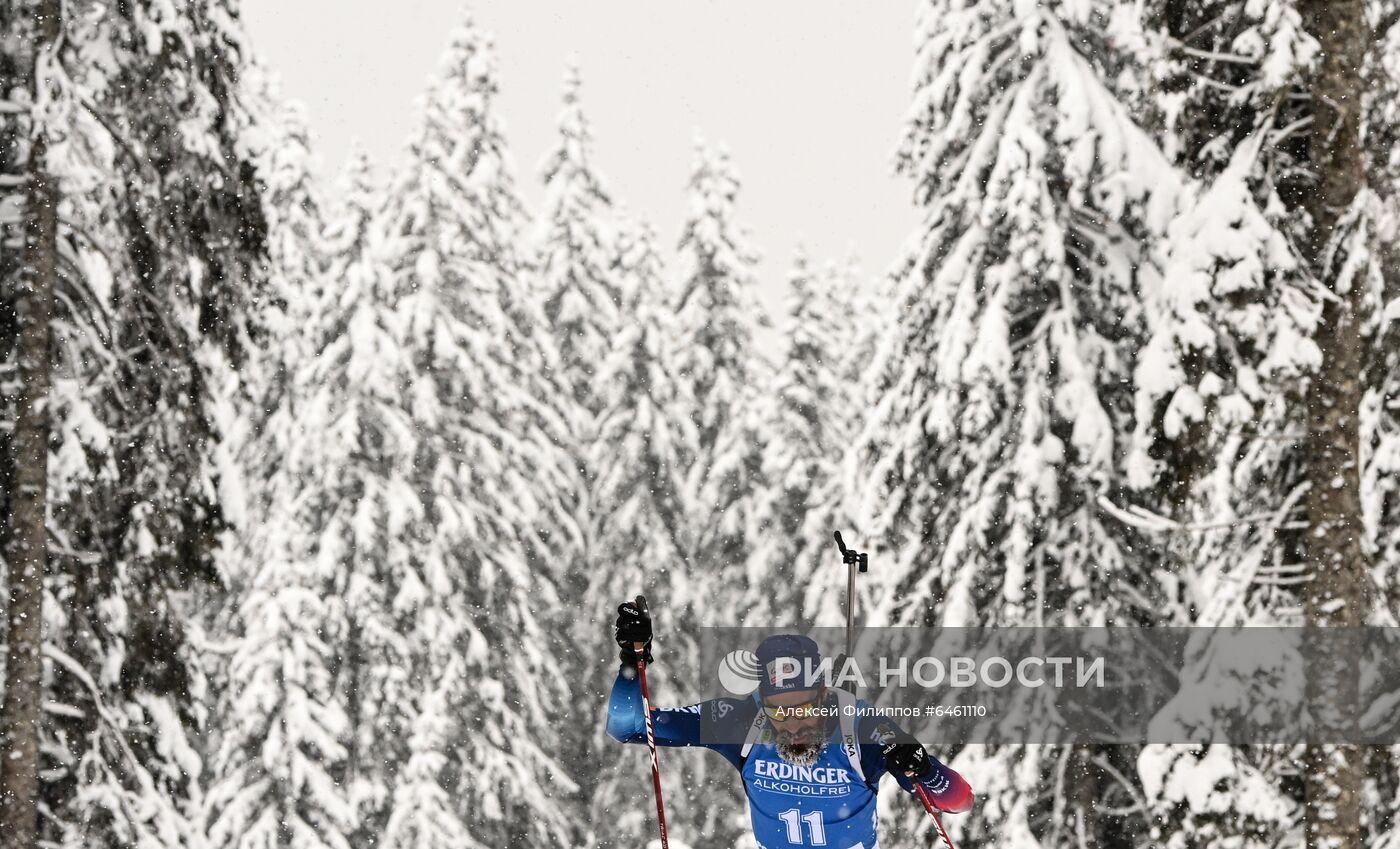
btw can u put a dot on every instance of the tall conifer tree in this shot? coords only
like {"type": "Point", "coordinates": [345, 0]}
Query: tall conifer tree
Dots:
{"type": "Point", "coordinates": [146, 168]}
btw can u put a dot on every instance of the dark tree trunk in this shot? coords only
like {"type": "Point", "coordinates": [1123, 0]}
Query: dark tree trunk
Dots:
{"type": "Point", "coordinates": [1335, 596]}
{"type": "Point", "coordinates": [27, 554]}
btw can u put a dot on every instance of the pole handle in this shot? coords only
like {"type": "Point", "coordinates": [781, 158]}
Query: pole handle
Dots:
{"type": "Point", "coordinates": [858, 559]}
{"type": "Point", "coordinates": [641, 602]}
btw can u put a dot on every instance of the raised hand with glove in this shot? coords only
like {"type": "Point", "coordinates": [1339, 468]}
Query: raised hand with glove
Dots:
{"type": "Point", "coordinates": [906, 758]}
{"type": "Point", "coordinates": [908, 761]}
{"type": "Point", "coordinates": [633, 626]}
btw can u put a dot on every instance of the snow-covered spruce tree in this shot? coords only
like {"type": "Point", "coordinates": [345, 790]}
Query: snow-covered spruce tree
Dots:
{"type": "Point", "coordinates": [484, 485]}
{"type": "Point", "coordinates": [423, 813]}
{"type": "Point", "coordinates": [805, 418]}
{"type": "Point", "coordinates": [638, 451]}
{"type": "Point", "coordinates": [1220, 381]}
{"type": "Point", "coordinates": [717, 312]}
{"type": "Point", "coordinates": [278, 775]}
{"type": "Point", "coordinates": [294, 210]}
{"type": "Point", "coordinates": [713, 368]}
{"type": "Point", "coordinates": [343, 441]}
{"type": "Point", "coordinates": [277, 771]}
{"type": "Point", "coordinates": [155, 253]}
{"type": "Point", "coordinates": [1219, 384]}
{"type": "Point", "coordinates": [1239, 349]}
{"type": "Point", "coordinates": [640, 445]}
{"type": "Point", "coordinates": [577, 255]}
{"type": "Point", "coordinates": [861, 309]}
{"type": "Point", "coordinates": [580, 270]}
{"type": "Point", "coordinates": [1002, 405]}
{"type": "Point", "coordinates": [867, 304]}
{"type": "Point", "coordinates": [1004, 399]}
{"type": "Point", "coordinates": [250, 396]}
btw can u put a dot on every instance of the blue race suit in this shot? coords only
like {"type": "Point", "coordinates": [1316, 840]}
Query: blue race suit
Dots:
{"type": "Point", "coordinates": [827, 804]}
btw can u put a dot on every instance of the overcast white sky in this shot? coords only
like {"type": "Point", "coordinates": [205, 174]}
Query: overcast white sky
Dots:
{"type": "Point", "coordinates": [807, 94]}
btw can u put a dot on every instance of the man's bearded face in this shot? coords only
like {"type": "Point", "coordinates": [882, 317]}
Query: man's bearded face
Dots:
{"type": "Point", "coordinates": [802, 735]}
{"type": "Point", "coordinates": [802, 746]}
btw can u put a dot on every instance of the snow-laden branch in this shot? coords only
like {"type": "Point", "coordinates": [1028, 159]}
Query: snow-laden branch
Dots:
{"type": "Point", "coordinates": [1144, 519]}
{"type": "Point", "coordinates": [1211, 55]}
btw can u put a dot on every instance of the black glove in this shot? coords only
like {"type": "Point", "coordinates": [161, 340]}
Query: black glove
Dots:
{"type": "Point", "coordinates": [904, 758]}
{"type": "Point", "coordinates": [633, 626]}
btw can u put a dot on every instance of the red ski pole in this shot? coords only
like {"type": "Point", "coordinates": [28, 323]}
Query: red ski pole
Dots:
{"type": "Point", "coordinates": [641, 649]}
{"type": "Point", "coordinates": [928, 806]}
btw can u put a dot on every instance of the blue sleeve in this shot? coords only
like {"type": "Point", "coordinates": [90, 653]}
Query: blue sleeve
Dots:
{"type": "Point", "coordinates": [672, 726]}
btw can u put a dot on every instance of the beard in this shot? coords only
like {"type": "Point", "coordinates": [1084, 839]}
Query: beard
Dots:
{"type": "Point", "coordinates": [802, 748]}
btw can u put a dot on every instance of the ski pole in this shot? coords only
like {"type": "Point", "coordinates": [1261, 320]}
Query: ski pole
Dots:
{"type": "Point", "coordinates": [852, 559]}
{"type": "Point", "coordinates": [641, 649]}
{"type": "Point", "coordinates": [928, 806]}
